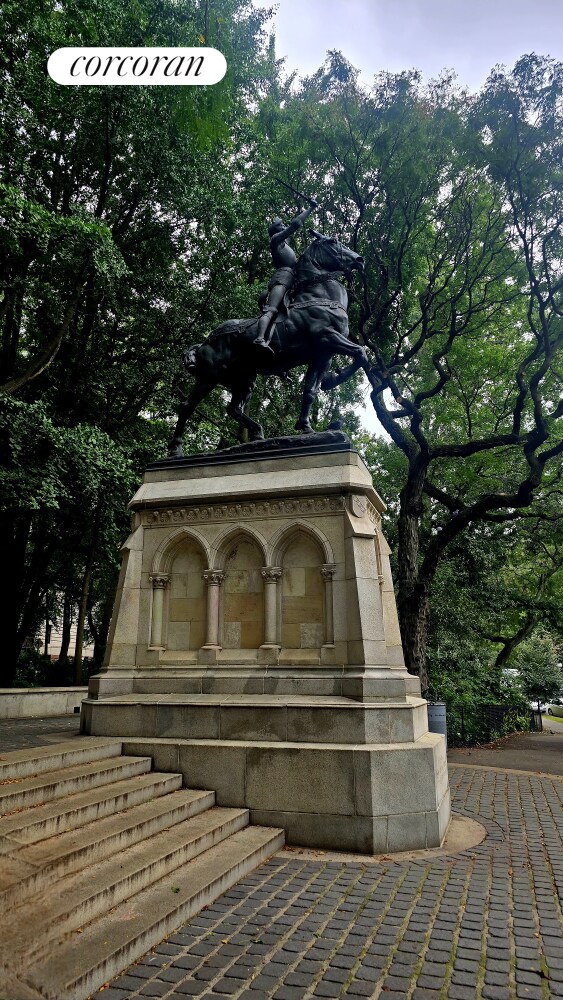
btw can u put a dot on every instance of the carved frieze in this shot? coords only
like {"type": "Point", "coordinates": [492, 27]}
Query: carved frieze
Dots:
{"type": "Point", "coordinates": [244, 511]}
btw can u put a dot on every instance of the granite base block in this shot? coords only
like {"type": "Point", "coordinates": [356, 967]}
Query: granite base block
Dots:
{"type": "Point", "coordinates": [325, 796]}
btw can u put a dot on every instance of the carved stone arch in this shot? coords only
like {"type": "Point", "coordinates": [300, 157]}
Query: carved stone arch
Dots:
{"type": "Point", "coordinates": [223, 543]}
{"type": "Point", "coordinates": [177, 570]}
{"type": "Point", "coordinates": [284, 536]}
{"type": "Point", "coordinates": [239, 555]}
{"type": "Point", "coordinates": [304, 555]}
{"type": "Point", "coordinates": [166, 552]}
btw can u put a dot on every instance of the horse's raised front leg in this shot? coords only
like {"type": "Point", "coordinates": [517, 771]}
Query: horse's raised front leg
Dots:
{"type": "Point", "coordinates": [199, 392]}
{"type": "Point", "coordinates": [311, 384]}
{"type": "Point", "coordinates": [339, 376]}
{"type": "Point", "coordinates": [343, 345]}
{"type": "Point", "coordinates": [235, 409]}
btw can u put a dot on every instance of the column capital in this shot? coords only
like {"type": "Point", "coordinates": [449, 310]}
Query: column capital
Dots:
{"type": "Point", "coordinates": [159, 580]}
{"type": "Point", "coordinates": [328, 570]}
{"type": "Point", "coordinates": [271, 574]}
{"type": "Point", "coordinates": [213, 577]}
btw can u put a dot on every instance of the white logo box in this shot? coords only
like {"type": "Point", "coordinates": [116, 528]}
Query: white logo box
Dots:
{"type": "Point", "coordinates": [137, 67]}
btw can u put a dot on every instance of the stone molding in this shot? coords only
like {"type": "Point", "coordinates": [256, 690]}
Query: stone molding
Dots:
{"type": "Point", "coordinates": [242, 511]}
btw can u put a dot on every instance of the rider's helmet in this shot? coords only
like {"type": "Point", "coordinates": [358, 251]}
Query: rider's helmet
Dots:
{"type": "Point", "coordinates": [275, 227]}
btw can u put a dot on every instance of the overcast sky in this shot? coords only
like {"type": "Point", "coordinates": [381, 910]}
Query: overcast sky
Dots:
{"type": "Point", "coordinates": [468, 36]}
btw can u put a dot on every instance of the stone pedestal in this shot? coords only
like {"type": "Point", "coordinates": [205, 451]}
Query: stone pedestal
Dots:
{"type": "Point", "coordinates": [255, 646]}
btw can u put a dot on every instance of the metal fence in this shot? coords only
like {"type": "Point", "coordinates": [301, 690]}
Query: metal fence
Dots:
{"type": "Point", "coordinates": [485, 723]}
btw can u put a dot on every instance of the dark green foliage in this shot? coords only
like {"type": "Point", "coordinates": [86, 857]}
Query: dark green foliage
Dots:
{"type": "Point", "coordinates": [116, 206]}
{"type": "Point", "coordinates": [539, 669]}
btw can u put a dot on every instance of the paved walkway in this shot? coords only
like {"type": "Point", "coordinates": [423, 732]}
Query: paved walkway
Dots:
{"type": "Point", "coordinates": [482, 923]}
{"type": "Point", "coordinates": [523, 752]}
{"type": "Point", "coordinates": [19, 734]}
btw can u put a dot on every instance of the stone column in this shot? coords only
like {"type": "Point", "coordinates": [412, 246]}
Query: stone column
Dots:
{"type": "Point", "coordinates": [271, 575]}
{"type": "Point", "coordinates": [159, 584]}
{"type": "Point", "coordinates": [327, 573]}
{"type": "Point", "coordinates": [214, 578]}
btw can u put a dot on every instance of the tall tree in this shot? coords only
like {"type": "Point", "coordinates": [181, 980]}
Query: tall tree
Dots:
{"type": "Point", "coordinates": [115, 202]}
{"type": "Point", "coordinates": [455, 203]}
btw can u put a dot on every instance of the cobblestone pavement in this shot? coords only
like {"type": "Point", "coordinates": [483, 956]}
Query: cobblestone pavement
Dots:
{"type": "Point", "coordinates": [19, 734]}
{"type": "Point", "coordinates": [483, 923]}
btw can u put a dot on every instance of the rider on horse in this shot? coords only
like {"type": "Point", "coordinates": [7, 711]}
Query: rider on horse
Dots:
{"type": "Point", "coordinates": [284, 261]}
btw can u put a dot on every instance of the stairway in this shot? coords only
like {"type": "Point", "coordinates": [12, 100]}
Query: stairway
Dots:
{"type": "Point", "coordinates": [100, 858]}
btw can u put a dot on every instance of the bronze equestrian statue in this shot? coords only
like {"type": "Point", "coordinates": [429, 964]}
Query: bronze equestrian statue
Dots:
{"type": "Point", "coordinates": [314, 329]}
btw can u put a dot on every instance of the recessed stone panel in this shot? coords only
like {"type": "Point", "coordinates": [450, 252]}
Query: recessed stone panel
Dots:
{"type": "Point", "coordinates": [314, 583]}
{"type": "Point", "coordinates": [186, 609]}
{"type": "Point", "coordinates": [186, 579]}
{"type": "Point", "coordinates": [251, 635]}
{"type": "Point", "coordinates": [294, 581]}
{"type": "Point", "coordinates": [236, 581]}
{"type": "Point", "coordinates": [179, 635]}
{"type": "Point", "coordinates": [243, 607]}
{"type": "Point", "coordinates": [197, 634]}
{"type": "Point", "coordinates": [302, 609]}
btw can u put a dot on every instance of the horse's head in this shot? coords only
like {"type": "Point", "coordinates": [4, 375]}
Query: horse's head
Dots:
{"type": "Point", "coordinates": [329, 254]}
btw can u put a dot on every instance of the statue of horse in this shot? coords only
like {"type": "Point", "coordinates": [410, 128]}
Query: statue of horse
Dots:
{"type": "Point", "coordinates": [314, 329]}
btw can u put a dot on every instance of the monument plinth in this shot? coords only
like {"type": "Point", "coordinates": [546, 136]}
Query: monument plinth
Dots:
{"type": "Point", "coordinates": [255, 647]}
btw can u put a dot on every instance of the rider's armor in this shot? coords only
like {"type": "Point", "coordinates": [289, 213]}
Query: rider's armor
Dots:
{"type": "Point", "coordinates": [284, 259]}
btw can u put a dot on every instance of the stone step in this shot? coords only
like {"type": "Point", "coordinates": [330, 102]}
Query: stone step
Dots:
{"type": "Point", "coordinates": [34, 928]}
{"type": "Point", "coordinates": [38, 865]}
{"type": "Point", "coordinates": [70, 813]}
{"type": "Point", "coordinates": [12, 986]}
{"type": "Point", "coordinates": [82, 750]}
{"type": "Point", "coordinates": [84, 961]}
{"type": "Point", "coordinates": [21, 793]}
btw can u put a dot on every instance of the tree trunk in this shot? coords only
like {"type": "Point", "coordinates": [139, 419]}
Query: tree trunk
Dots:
{"type": "Point", "coordinates": [14, 536]}
{"type": "Point", "coordinates": [84, 595]}
{"type": "Point", "coordinates": [413, 619]}
{"type": "Point", "coordinates": [22, 604]}
{"type": "Point", "coordinates": [100, 631]}
{"type": "Point", "coordinates": [65, 633]}
{"type": "Point", "coordinates": [413, 593]}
